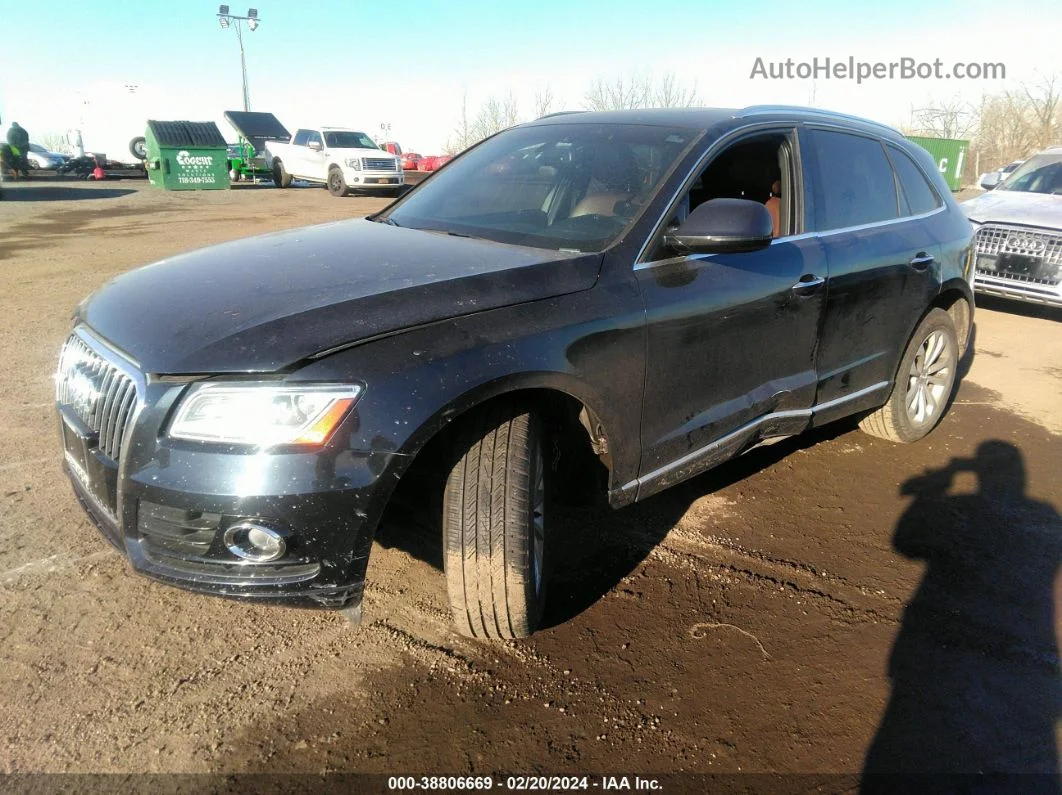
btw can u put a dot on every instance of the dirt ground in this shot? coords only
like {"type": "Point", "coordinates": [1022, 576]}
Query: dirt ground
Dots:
{"type": "Point", "coordinates": [829, 604]}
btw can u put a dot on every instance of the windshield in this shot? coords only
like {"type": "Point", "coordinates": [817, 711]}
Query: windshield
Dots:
{"type": "Point", "coordinates": [1040, 174]}
{"type": "Point", "coordinates": [562, 186]}
{"type": "Point", "coordinates": [348, 140]}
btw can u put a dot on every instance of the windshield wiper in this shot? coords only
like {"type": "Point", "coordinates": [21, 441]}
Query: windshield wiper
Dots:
{"type": "Point", "coordinates": [389, 221]}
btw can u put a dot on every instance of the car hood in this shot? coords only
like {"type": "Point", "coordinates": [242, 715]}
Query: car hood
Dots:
{"type": "Point", "coordinates": [357, 151]}
{"type": "Point", "coordinates": [265, 303]}
{"type": "Point", "coordinates": [1016, 207]}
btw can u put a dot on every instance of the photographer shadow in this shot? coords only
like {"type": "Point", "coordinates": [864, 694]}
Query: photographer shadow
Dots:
{"type": "Point", "coordinates": [975, 666]}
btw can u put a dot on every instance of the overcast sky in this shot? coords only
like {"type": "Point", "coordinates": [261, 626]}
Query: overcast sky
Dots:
{"type": "Point", "coordinates": [65, 65]}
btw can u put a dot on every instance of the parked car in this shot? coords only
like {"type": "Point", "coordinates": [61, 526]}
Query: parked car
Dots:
{"type": "Point", "coordinates": [1019, 232]}
{"type": "Point", "coordinates": [392, 147]}
{"type": "Point", "coordinates": [409, 161]}
{"type": "Point", "coordinates": [427, 163]}
{"type": "Point", "coordinates": [441, 161]}
{"type": "Point", "coordinates": [41, 158]}
{"type": "Point", "coordinates": [991, 179]}
{"type": "Point", "coordinates": [340, 158]}
{"type": "Point", "coordinates": [648, 297]}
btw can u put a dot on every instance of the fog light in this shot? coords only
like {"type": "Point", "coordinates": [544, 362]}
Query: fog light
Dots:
{"type": "Point", "coordinates": [254, 542]}
{"type": "Point", "coordinates": [355, 180]}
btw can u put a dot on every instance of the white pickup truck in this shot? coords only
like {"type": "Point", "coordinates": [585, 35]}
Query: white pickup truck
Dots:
{"type": "Point", "coordinates": [341, 158]}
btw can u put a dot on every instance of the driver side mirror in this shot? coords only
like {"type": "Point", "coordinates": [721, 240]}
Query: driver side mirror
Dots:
{"type": "Point", "coordinates": [990, 181]}
{"type": "Point", "coordinates": [723, 226]}
{"type": "Point", "coordinates": [315, 145]}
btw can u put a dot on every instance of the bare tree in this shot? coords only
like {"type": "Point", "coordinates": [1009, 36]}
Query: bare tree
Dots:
{"type": "Point", "coordinates": [668, 93]}
{"type": "Point", "coordinates": [543, 102]}
{"type": "Point", "coordinates": [952, 118]}
{"type": "Point", "coordinates": [462, 135]}
{"type": "Point", "coordinates": [1045, 105]}
{"type": "Point", "coordinates": [1014, 124]}
{"type": "Point", "coordinates": [620, 93]}
{"type": "Point", "coordinates": [1005, 130]}
{"type": "Point", "coordinates": [638, 91]}
{"type": "Point", "coordinates": [495, 115]}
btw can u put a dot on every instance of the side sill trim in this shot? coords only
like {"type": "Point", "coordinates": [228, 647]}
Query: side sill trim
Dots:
{"type": "Point", "coordinates": [689, 458]}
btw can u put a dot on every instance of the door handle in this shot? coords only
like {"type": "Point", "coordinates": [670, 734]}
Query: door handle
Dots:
{"type": "Point", "coordinates": [921, 261]}
{"type": "Point", "coordinates": [808, 285]}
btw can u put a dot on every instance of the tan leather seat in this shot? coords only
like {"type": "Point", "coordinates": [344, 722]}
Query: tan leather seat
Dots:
{"type": "Point", "coordinates": [774, 207]}
{"type": "Point", "coordinates": [614, 179]}
{"type": "Point", "coordinates": [600, 203]}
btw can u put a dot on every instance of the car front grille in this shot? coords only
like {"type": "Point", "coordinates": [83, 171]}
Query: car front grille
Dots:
{"type": "Point", "coordinates": [379, 164]}
{"type": "Point", "coordinates": [97, 392]}
{"type": "Point", "coordinates": [1022, 254]}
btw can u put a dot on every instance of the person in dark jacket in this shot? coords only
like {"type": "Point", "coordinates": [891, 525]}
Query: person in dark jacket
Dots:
{"type": "Point", "coordinates": [18, 140]}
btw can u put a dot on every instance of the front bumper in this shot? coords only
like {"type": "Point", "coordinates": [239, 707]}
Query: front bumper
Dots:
{"type": "Point", "coordinates": [373, 180]}
{"type": "Point", "coordinates": [325, 578]}
{"type": "Point", "coordinates": [1029, 291]}
{"type": "Point", "coordinates": [166, 504]}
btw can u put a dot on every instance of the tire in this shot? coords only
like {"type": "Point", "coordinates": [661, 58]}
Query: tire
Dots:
{"type": "Point", "coordinates": [281, 177]}
{"type": "Point", "coordinates": [923, 384]}
{"type": "Point", "coordinates": [494, 527]}
{"type": "Point", "coordinates": [337, 185]}
{"type": "Point", "coordinates": [138, 148]}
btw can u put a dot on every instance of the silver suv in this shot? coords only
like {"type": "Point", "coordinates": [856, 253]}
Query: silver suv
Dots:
{"type": "Point", "coordinates": [1019, 232]}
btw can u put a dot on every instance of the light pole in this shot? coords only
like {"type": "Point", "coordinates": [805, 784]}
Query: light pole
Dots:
{"type": "Point", "coordinates": [226, 19]}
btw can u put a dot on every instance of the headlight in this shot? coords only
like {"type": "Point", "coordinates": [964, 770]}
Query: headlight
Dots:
{"type": "Point", "coordinates": [354, 163]}
{"type": "Point", "coordinates": [262, 414]}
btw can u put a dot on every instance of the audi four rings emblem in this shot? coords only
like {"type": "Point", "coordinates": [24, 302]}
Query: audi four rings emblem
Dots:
{"type": "Point", "coordinates": [1026, 243]}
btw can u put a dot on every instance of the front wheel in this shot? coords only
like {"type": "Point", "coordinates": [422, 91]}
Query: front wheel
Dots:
{"type": "Point", "coordinates": [337, 185]}
{"type": "Point", "coordinates": [923, 385]}
{"type": "Point", "coordinates": [494, 527]}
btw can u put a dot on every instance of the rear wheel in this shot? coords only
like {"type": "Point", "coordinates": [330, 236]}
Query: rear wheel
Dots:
{"type": "Point", "coordinates": [923, 384]}
{"type": "Point", "coordinates": [337, 185]}
{"type": "Point", "coordinates": [494, 526]}
{"type": "Point", "coordinates": [281, 177]}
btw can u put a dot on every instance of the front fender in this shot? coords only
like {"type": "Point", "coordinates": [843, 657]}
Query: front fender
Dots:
{"type": "Point", "coordinates": [420, 381]}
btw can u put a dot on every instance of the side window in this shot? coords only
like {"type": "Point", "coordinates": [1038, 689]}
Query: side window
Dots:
{"type": "Point", "coordinates": [758, 168]}
{"type": "Point", "coordinates": [300, 138]}
{"type": "Point", "coordinates": [854, 181]}
{"type": "Point", "coordinates": [921, 198]}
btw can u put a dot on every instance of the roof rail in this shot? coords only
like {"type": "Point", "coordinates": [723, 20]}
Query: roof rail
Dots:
{"type": "Point", "coordinates": [759, 110]}
{"type": "Point", "coordinates": [560, 113]}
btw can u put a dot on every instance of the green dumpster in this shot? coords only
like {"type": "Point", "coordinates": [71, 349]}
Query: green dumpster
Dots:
{"type": "Point", "coordinates": [186, 155]}
{"type": "Point", "coordinates": [948, 153]}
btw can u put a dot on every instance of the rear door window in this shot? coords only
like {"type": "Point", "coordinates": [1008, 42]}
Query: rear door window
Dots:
{"type": "Point", "coordinates": [854, 181]}
{"type": "Point", "coordinates": [919, 194]}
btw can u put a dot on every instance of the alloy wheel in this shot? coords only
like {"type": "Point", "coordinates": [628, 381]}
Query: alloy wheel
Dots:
{"type": "Point", "coordinates": [930, 378]}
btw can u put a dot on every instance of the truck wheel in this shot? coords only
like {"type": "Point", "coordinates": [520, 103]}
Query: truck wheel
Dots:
{"type": "Point", "coordinates": [494, 527]}
{"type": "Point", "coordinates": [138, 148]}
{"type": "Point", "coordinates": [923, 384]}
{"type": "Point", "coordinates": [281, 178]}
{"type": "Point", "coordinates": [337, 186]}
